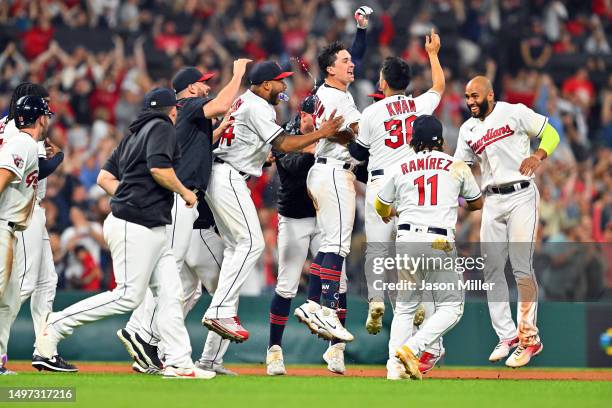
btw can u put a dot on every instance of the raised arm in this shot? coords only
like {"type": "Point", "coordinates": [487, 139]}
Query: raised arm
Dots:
{"type": "Point", "coordinates": [222, 103]}
{"type": "Point", "coordinates": [432, 46]}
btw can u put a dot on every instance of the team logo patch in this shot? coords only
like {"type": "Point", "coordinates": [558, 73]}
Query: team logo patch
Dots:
{"type": "Point", "coordinates": [18, 161]}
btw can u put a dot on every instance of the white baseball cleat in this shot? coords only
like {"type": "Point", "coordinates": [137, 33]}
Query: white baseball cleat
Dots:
{"type": "Point", "coordinates": [188, 373]}
{"type": "Point", "coordinates": [334, 357]}
{"type": "Point", "coordinates": [502, 349]}
{"type": "Point", "coordinates": [326, 319]}
{"type": "Point", "coordinates": [47, 339]}
{"type": "Point", "coordinates": [376, 310]}
{"type": "Point", "coordinates": [396, 370]}
{"type": "Point", "coordinates": [305, 314]}
{"type": "Point", "coordinates": [523, 355]}
{"type": "Point", "coordinates": [220, 369]}
{"type": "Point", "coordinates": [274, 361]}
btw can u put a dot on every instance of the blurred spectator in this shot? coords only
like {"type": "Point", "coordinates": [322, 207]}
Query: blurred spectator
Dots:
{"type": "Point", "coordinates": [535, 49]}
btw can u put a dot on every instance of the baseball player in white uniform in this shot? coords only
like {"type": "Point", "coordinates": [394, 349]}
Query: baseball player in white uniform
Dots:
{"type": "Point", "coordinates": [425, 188]}
{"type": "Point", "coordinates": [37, 276]}
{"type": "Point", "coordinates": [141, 180]}
{"type": "Point", "coordinates": [497, 137]}
{"type": "Point", "coordinates": [18, 180]}
{"type": "Point", "coordinates": [330, 184]}
{"type": "Point", "coordinates": [202, 263]}
{"type": "Point", "coordinates": [243, 149]}
{"type": "Point", "coordinates": [384, 136]}
{"type": "Point", "coordinates": [195, 136]}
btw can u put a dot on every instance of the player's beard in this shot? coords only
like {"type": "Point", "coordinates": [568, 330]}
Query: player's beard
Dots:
{"type": "Point", "coordinates": [274, 97]}
{"type": "Point", "coordinates": [483, 108]}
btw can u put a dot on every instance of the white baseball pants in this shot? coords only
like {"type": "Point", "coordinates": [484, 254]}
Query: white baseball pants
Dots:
{"type": "Point", "coordinates": [35, 269]}
{"type": "Point", "coordinates": [236, 217]}
{"type": "Point", "coordinates": [141, 258]}
{"type": "Point", "coordinates": [332, 190]}
{"type": "Point", "coordinates": [296, 236]}
{"type": "Point", "coordinates": [9, 284]}
{"type": "Point", "coordinates": [448, 303]}
{"type": "Point", "coordinates": [178, 235]}
{"type": "Point", "coordinates": [508, 230]}
{"type": "Point", "coordinates": [379, 235]}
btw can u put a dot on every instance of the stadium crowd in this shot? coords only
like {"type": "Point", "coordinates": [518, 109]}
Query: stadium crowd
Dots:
{"type": "Point", "coordinates": [98, 58]}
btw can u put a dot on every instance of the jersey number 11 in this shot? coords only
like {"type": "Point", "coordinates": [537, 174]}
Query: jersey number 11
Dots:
{"type": "Point", "coordinates": [433, 183]}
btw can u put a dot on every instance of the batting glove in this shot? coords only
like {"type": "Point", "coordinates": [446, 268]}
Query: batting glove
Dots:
{"type": "Point", "coordinates": [362, 16]}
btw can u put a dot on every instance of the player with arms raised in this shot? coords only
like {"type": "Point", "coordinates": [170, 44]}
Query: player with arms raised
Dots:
{"type": "Point", "coordinates": [384, 136]}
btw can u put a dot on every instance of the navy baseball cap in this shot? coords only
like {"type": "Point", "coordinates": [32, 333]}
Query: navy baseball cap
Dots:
{"type": "Point", "coordinates": [309, 103]}
{"type": "Point", "coordinates": [187, 76]}
{"type": "Point", "coordinates": [426, 129]}
{"type": "Point", "coordinates": [159, 98]}
{"type": "Point", "coordinates": [267, 71]}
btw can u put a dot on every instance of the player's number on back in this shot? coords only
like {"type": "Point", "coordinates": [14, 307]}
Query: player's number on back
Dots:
{"type": "Point", "coordinates": [228, 135]}
{"type": "Point", "coordinates": [432, 182]}
{"type": "Point", "coordinates": [400, 132]}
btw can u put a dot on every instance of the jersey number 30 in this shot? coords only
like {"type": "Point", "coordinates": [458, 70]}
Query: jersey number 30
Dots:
{"type": "Point", "coordinates": [400, 132]}
{"type": "Point", "coordinates": [433, 194]}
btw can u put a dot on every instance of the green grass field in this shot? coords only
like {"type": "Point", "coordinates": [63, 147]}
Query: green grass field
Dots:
{"type": "Point", "coordinates": [130, 390]}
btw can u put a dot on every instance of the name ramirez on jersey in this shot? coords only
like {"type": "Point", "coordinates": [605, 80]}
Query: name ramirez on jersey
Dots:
{"type": "Point", "coordinates": [500, 142]}
{"type": "Point", "coordinates": [246, 144]}
{"type": "Point", "coordinates": [426, 187]}
{"type": "Point", "coordinates": [386, 127]}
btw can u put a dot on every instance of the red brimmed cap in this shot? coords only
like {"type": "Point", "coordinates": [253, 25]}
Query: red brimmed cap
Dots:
{"type": "Point", "coordinates": [377, 96]}
{"type": "Point", "coordinates": [188, 76]}
{"type": "Point", "coordinates": [267, 71]}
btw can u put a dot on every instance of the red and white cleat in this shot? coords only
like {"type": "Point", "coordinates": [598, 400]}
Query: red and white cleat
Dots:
{"type": "Point", "coordinates": [502, 349]}
{"type": "Point", "coordinates": [523, 354]}
{"type": "Point", "coordinates": [189, 373]}
{"type": "Point", "coordinates": [428, 361]}
{"type": "Point", "coordinates": [228, 328]}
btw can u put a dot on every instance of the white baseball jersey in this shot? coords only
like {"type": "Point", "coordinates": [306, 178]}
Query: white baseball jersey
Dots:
{"type": "Point", "coordinates": [386, 127]}
{"type": "Point", "coordinates": [246, 144]}
{"type": "Point", "coordinates": [426, 188]}
{"type": "Point", "coordinates": [19, 155]}
{"type": "Point", "coordinates": [500, 142]}
{"type": "Point", "coordinates": [8, 129]}
{"type": "Point", "coordinates": [331, 99]}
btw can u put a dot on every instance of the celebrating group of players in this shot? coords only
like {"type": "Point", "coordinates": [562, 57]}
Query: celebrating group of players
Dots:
{"type": "Point", "coordinates": [180, 177]}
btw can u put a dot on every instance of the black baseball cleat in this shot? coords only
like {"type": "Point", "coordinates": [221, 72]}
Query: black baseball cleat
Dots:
{"type": "Point", "coordinates": [149, 352]}
{"type": "Point", "coordinates": [55, 363]}
{"type": "Point", "coordinates": [144, 354]}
